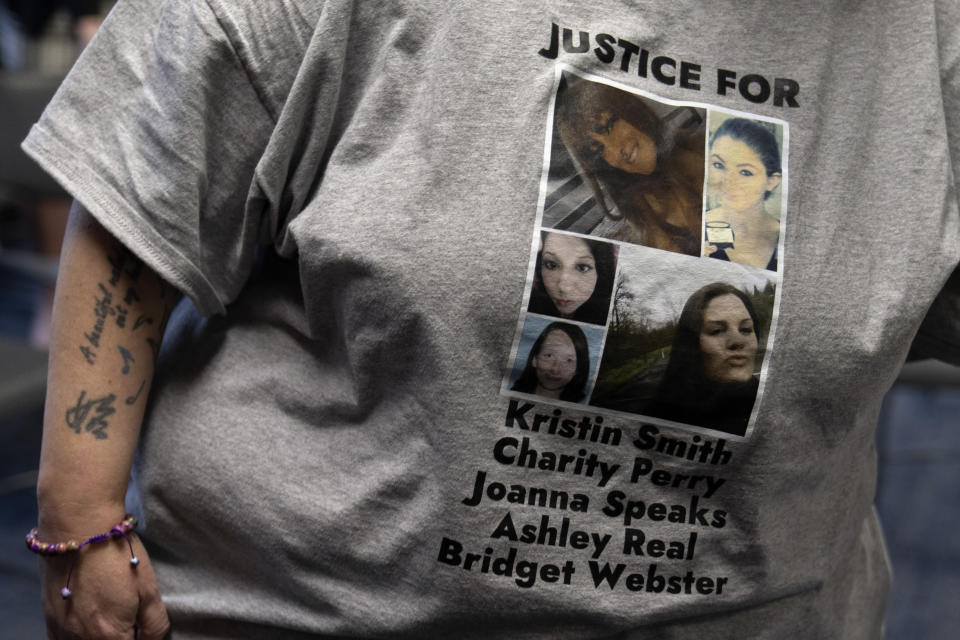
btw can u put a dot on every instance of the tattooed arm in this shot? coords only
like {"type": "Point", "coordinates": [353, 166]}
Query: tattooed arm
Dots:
{"type": "Point", "coordinates": [109, 314]}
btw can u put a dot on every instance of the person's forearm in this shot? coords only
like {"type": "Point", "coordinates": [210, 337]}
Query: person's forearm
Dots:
{"type": "Point", "coordinates": [109, 314]}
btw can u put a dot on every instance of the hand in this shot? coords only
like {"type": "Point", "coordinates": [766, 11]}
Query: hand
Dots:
{"type": "Point", "coordinates": [111, 599]}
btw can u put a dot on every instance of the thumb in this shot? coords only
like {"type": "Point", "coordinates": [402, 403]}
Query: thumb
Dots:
{"type": "Point", "coordinates": [152, 618]}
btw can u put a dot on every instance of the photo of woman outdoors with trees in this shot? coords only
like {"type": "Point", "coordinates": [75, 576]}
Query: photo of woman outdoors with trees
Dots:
{"type": "Point", "coordinates": [686, 345]}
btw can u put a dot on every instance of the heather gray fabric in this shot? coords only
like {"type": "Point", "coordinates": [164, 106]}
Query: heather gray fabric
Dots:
{"type": "Point", "coordinates": [348, 192]}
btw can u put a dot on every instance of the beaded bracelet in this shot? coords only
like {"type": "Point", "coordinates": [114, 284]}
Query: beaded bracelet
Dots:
{"type": "Point", "coordinates": [128, 524]}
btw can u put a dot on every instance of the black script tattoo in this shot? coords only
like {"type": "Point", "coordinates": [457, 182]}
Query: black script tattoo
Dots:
{"type": "Point", "coordinates": [121, 316]}
{"type": "Point", "coordinates": [117, 262]}
{"type": "Point", "coordinates": [88, 354]}
{"type": "Point", "coordinates": [135, 268]}
{"type": "Point", "coordinates": [79, 417]}
{"type": "Point", "coordinates": [124, 262]}
{"type": "Point", "coordinates": [101, 310]}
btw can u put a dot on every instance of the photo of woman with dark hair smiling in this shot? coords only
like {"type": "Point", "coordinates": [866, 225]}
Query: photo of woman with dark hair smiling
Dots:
{"type": "Point", "coordinates": [711, 378]}
{"type": "Point", "coordinates": [558, 365]}
{"type": "Point", "coordinates": [643, 167]}
{"type": "Point", "coordinates": [745, 171]}
{"type": "Point", "coordinates": [573, 278]}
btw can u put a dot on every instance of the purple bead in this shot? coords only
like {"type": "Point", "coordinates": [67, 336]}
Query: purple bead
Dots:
{"type": "Point", "coordinates": [65, 593]}
{"type": "Point", "coordinates": [134, 560]}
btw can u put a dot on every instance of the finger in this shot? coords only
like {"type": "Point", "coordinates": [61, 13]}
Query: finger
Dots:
{"type": "Point", "coordinates": [51, 630]}
{"type": "Point", "coordinates": [152, 619]}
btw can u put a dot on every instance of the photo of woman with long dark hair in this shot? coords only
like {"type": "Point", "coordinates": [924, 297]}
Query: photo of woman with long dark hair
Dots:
{"type": "Point", "coordinates": [644, 167]}
{"type": "Point", "coordinates": [573, 278]}
{"type": "Point", "coordinates": [745, 171]}
{"type": "Point", "coordinates": [711, 378]}
{"type": "Point", "coordinates": [558, 365]}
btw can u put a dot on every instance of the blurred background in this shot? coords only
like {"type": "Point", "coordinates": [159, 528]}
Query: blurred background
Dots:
{"type": "Point", "coordinates": [918, 437]}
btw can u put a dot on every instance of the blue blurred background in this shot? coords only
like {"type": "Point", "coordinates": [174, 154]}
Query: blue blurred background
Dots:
{"type": "Point", "coordinates": [918, 436]}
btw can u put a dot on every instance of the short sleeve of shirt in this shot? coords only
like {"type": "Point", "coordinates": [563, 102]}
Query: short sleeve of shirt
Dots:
{"type": "Point", "coordinates": [157, 131]}
{"type": "Point", "coordinates": [939, 335]}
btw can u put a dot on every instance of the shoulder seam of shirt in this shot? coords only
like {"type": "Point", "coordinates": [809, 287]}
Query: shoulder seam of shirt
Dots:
{"type": "Point", "coordinates": [261, 95]}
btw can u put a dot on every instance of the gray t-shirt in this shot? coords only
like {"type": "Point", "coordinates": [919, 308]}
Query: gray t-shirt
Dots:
{"type": "Point", "coordinates": [385, 411]}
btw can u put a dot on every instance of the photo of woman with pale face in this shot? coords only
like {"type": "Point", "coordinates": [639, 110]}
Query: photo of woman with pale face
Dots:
{"type": "Point", "coordinates": [558, 364]}
{"type": "Point", "coordinates": [573, 278]}
{"type": "Point", "coordinates": [711, 379]}
{"type": "Point", "coordinates": [728, 340]}
{"type": "Point", "coordinates": [643, 161]}
{"type": "Point", "coordinates": [745, 171]}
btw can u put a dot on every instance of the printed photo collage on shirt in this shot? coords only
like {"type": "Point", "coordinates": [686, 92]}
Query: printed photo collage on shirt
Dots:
{"type": "Point", "coordinates": [655, 268]}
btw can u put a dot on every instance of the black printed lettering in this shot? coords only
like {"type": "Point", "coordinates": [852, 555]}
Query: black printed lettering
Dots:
{"type": "Point", "coordinates": [657, 69]}
{"type": "Point", "coordinates": [725, 80]}
{"type": "Point", "coordinates": [785, 90]}
{"type": "Point", "coordinates": [754, 88]}
{"type": "Point", "coordinates": [666, 69]}
{"type": "Point", "coordinates": [604, 50]}
{"type": "Point", "coordinates": [690, 76]}
{"type": "Point", "coordinates": [629, 50]}
{"type": "Point", "coordinates": [582, 45]}
{"type": "Point", "coordinates": [642, 63]}
{"type": "Point", "coordinates": [551, 50]}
